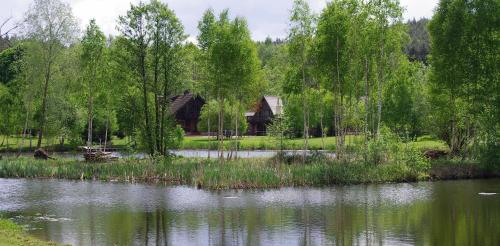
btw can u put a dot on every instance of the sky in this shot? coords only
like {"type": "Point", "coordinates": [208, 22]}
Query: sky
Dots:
{"type": "Point", "coordinates": [266, 18]}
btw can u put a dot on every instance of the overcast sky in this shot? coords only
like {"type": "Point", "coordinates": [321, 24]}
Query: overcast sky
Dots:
{"type": "Point", "coordinates": [265, 17]}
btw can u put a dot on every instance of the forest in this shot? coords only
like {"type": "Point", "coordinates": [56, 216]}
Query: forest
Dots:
{"type": "Point", "coordinates": [356, 71]}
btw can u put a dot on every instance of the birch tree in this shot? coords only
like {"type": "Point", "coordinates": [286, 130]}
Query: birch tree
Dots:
{"type": "Point", "coordinates": [51, 23]}
{"type": "Point", "coordinates": [300, 38]}
{"type": "Point", "coordinates": [93, 48]}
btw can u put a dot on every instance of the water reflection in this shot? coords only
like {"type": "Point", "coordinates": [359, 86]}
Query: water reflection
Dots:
{"type": "Point", "coordinates": [94, 213]}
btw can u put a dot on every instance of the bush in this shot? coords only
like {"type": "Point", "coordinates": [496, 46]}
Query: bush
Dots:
{"type": "Point", "coordinates": [389, 148]}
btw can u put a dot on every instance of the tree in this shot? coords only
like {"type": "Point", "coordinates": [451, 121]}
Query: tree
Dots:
{"type": "Point", "coordinates": [419, 46]}
{"type": "Point", "coordinates": [273, 57]}
{"type": "Point", "coordinates": [300, 39]}
{"type": "Point", "coordinates": [167, 34]}
{"type": "Point", "coordinates": [154, 37]}
{"type": "Point", "coordinates": [93, 48]}
{"type": "Point", "coordinates": [51, 23]}
{"type": "Point", "coordinates": [464, 74]}
{"type": "Point", "coordinates": [231, 61]}
{"type": "Point", "coordinates": [133, 27]}
{"type": "Point", "coordinates": [333, 55]}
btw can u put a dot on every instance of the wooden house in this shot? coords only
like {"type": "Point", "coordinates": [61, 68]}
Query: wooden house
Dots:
{"type": "Point", "coordinates": [187, 109]}
{"type": "Point", "coordinates": [263, 113]}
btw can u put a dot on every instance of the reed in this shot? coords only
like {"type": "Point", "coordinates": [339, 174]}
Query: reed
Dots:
{"type": "Point", "coordinates": [211, 174]}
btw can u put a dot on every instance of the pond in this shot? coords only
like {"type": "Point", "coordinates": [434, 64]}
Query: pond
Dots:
{"type": "Point", "coordinates": [463, 212]}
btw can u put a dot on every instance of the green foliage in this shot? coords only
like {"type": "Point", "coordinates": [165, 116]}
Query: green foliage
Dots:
{"type": "Point", "coordinates": [174, 137]}
{"type": "Point", "coordinates": [279, 130]}
{"type": "Point", "coordinates": [210, 110]}
{"type": "Point", "coordinates": [464, 75]}
{"type": "Point", "coordinates": [405, 100]}
{"type": "Point", "coordinates": [419, 46]}
{"type": "Point", "coordinates": [232, 68]}
{"type": "Point", "coordinates": [389, 148]}
{"type": "Point", "coordinates": [9, 63]}
{"type": "Point", "coordinates": [274, 61]}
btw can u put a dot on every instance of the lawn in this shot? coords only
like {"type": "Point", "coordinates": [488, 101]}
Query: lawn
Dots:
{"type": "Point", "coordinates": [246, 143]}
{"type": "Point", "coordinates": [269, 143]}
{"type": "Point", "coordinates": [260, 143]}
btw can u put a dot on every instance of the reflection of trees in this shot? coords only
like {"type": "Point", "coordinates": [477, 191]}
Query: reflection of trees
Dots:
{"type": "Point", "coordinates": [445, 216]}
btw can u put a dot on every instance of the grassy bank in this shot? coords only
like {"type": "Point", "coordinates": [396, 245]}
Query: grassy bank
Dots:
{"type": "Point", "coordinates": [245, 173]}
{"type": "Point", "coordinates": [12, 234]}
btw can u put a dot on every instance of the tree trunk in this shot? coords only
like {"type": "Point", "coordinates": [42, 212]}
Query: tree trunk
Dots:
{"type": "Point", "coordinates": [304, 114]}
{"type": "Point", "coordinates": [367, 98]}
{"type": "Point", "coordinates": [339, 111]}
{"type": "Point", "coordinates": [149, 137]}
{"type": "Point", "coordinates": [237, 128]}
{"type": "Point", "coordinates": [453, 147]}
{"type": "Point", "coordinates": [163, 148]}
{"type": "Point", "coordinates": [90, 122]}
{"type": "Point", "coordinates": [31, 141]}
{"type": "Point", "coordinates": [379, 94]}
{"type": "Point", "coordinates": [106, 133]}
{"type": "Point", "coordinates": [322, 132]}
{"type": "Point", "coordinates": [44, 101]}
{"type": "Point", "coordinates": [25, 129]}
{"type": "Point", "coordinates": [208, 127]}
{"type": "Point", "coordinates": [222, 130]}
{"type": "Point", "coordinates": [157, 130]}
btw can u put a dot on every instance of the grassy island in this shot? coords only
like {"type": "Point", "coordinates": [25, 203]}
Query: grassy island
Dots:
{"type": "Point", "coordinates": [243, 173]}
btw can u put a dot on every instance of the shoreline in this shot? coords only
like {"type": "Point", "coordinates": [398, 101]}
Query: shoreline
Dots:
{"type": "Point", "coordinates": [13, 234]}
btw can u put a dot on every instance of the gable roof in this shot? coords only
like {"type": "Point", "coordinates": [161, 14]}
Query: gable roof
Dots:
{"type": "Point", "coordinates": [275, 103]}
{"type": "Point", "coordinates": [179, 101]}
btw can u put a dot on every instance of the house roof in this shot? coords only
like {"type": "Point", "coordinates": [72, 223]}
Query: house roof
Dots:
{"type": "Point", "coordinates": [179, 101]}
{"type": "Point", "coordinates": [275, 103]}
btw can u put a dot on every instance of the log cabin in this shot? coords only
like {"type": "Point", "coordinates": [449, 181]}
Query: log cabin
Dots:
{"type": "Point", "coordinates": [262, 114]}
{"type": "Point", "coordinates": [187, 108]}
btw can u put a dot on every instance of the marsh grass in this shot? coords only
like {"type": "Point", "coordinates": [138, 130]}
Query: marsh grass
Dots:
{"type": "Point", "coordinates": [210, 174]}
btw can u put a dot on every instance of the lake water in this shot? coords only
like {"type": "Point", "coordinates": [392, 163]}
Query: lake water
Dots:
{"type": "Point", "coordinates": [95, 213]}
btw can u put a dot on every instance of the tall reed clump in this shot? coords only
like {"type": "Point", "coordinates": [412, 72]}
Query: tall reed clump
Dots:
{"type": "Point", "coordinates": [243, 173]}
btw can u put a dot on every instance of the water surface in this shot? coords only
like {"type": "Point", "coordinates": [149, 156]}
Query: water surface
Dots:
{"type": "Point", "coordinates": [96, 213]}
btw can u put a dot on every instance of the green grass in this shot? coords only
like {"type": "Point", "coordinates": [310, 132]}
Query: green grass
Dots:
{"type": "Point", "coordinates": [255, 143]}
{"type": "Point", "coordinates": [268, 143]}
{"type": "Point", "coordinates": [12, 234]}
{"type": "Point", "coordinates": [246, 143]}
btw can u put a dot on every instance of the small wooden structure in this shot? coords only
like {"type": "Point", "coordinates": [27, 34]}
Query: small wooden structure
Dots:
{"type": "Point", "coordinates": [187, 108]}
{"type": "Point", "coordinates": [265, 110]}
{"type": "Point", "coordinates": [97, 155]}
